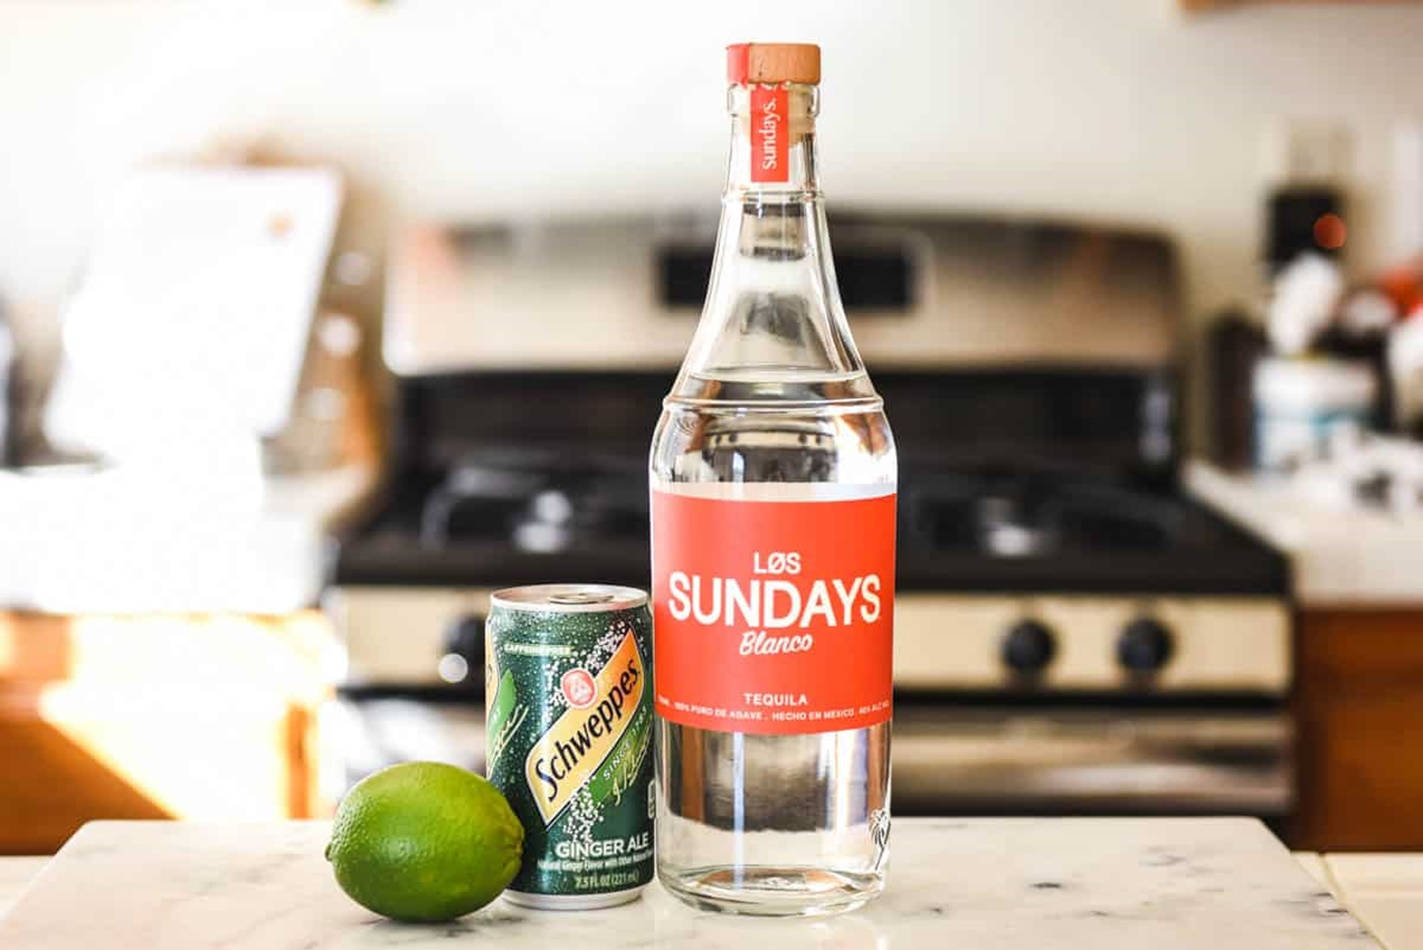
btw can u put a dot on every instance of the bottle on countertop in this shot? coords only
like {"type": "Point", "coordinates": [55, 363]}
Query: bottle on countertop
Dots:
{"type": "Point", "coordinates": [773, 476]}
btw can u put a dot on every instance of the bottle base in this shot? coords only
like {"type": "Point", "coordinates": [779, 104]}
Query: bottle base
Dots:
{"type": "Point", "coordinates": [766, 891]}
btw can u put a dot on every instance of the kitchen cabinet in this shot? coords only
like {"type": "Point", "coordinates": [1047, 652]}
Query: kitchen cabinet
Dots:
{"type": "Point", "coordinates": [1359, 696]}
{"type": "Point", "coordinates": [205, 716]}
{"type": "Point", "coordinates": [1358, 657]}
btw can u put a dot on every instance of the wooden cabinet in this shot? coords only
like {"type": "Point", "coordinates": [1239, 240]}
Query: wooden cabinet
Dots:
{"type": "Point", "coordinates": [1359, 698]}
{"type": "Point", "coordinates": [146, 717]}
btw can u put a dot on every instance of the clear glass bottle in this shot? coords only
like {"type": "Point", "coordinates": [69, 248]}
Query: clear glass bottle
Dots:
{"type": "Point", "coordinates": [773, 405]}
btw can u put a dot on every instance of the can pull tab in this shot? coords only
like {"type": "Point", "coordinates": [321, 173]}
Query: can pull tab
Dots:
{"type": "Point", "coordinates": [580, 599]}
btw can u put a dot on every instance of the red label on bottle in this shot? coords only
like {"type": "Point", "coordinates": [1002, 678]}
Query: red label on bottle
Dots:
{"type": "Point", "coordinates": [772, 616]}
{"type": "Point", "coordinates": [770, 151]}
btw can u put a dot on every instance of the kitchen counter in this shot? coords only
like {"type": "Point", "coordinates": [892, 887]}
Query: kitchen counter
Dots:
{"type": "Point", "coordinates": [1101, 883]}
{"type": "Point", "coordinates": [1385, 891]}
{"type": "Point", "coordinates": [15, 876]}
{"type": "Point", "coordinates": [96, 540]}
{"type": "Point", "coordinates": [1355, 557]}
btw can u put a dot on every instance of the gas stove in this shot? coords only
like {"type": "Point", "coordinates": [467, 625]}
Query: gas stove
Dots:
{"type": "Point", "coordinates": [502, 515]}
{"type": "Point", "coordinates": [1073, 633]}
{"type": "Point", "coordinates": [1055, 575]}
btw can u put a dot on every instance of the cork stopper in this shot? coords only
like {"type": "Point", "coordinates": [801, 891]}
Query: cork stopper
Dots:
{"type": "Point", "coordinates": [773, 63]}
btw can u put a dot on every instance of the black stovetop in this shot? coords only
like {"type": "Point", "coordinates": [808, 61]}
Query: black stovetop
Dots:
{"type": "Point", "coordinates": [510, 515]}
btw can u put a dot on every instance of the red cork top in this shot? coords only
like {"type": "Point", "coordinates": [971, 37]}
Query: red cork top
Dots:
{"type": "Point", "coordinates": [773, 63]}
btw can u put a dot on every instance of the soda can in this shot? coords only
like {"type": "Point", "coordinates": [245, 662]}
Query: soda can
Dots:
{"type": "Point", "coordinates": [568, 724]}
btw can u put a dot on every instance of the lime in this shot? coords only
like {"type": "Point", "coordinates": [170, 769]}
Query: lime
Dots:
{"type": "Point", "coordinates": [424, 841]}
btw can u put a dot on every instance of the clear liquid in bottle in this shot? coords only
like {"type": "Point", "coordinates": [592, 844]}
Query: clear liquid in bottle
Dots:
{"type": "Point", "coordinates": [773, 478]}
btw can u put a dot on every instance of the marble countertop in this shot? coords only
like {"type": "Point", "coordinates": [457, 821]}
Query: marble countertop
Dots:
{"type": "Point", "coordinates": [1352, 557]}
{"type": "Point", "coordinates": [1106, 883]}
{"type": "Point", "coordinates": [15, 876]}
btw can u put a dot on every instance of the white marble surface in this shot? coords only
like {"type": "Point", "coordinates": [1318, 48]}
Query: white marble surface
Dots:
{"type": "Point", "coordinates": [15, 876]}
{"type": "Point", "coordinates": [980, 883]}
{"type": "Point", "coordinates": [1357, 556]}
{"type": "Point", "coordinates": [1384, 889]}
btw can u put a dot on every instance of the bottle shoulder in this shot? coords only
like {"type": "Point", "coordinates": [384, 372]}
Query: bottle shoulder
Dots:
{"type": "Point", "coordinates": [774, 389]}
{"type": "Point", "coordinates": [846, 442]}
{"type": "Point", "coordinates": [777, 491]}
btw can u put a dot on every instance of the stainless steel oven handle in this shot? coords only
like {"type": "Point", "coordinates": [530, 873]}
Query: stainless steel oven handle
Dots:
{"type": "Point", "coordinates": [1039, 761]}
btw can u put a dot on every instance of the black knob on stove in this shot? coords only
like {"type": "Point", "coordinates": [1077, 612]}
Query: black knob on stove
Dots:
{"type": "Point", "coordinates": [1145, 645]}
{"type": "Point", "coordinates": [1028, 646]}
{"type": "Point", "coordinates": [463, 660]}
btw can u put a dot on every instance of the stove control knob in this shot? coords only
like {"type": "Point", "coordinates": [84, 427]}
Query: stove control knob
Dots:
{"type": "Point", "coordinates": [1028, 646]}
{"type": "Point", "coordinates": [462, 663]}
{"type": "Point", "coordinates": [1145, 645]}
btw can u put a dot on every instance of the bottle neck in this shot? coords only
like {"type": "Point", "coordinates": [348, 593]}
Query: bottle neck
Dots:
{"type": "Point", "coordinates": [773, 308]}
{"type": "Point", "coordinates": [772, 142]}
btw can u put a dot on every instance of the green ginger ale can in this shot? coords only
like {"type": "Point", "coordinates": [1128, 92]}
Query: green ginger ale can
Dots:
{"type": "Point", "coordinates": [568, 720]}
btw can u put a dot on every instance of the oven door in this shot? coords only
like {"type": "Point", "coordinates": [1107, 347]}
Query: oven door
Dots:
{"type": "Point", "coordinates": [1093, 760]}
{"type": "Point", "coordinates": [373, 727]}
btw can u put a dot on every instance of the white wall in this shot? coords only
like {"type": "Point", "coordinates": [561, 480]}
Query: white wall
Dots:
{"type": "Point", "coordinates": [1118, 109]}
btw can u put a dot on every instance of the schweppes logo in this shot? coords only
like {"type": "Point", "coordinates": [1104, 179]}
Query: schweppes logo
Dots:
{"type": "Point", "coordinates": [565, 757]}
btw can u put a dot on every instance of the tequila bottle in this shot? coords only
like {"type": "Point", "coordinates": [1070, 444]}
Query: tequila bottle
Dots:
{"type": "Point", "coordinates": [773, 479]}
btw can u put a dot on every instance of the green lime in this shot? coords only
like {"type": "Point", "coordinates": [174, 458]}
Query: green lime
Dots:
{"type": "Point", "coordinates": [424, 841]}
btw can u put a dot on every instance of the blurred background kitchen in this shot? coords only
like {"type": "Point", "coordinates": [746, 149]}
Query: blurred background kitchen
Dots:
{"type": "Point", "coordinates": [295, 299]}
